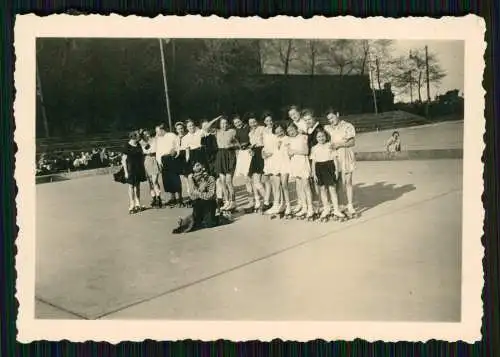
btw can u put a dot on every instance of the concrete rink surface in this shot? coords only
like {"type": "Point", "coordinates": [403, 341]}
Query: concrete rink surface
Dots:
{"type": "Point", "coordinates": [443, 135]}
{"type": "Point", "coordinates": [400, 261]}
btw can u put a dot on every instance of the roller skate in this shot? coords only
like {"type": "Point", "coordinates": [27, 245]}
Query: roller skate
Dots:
{"type": "Point", "coordinates": [259, 208]}
{"type": "Point", "coordinates": [228, 209]}
{"type": "Point", "coordinates": [325, 215]}
{"type": "Point", "coordinates": [276, 212]}
{"type": "Point", "coordinates": [350, 213]}
{"type": "Point", "coordinates": [338, 215]}
{"type": "Point", "coordinates": [266, 206]}
{"type": "Point", "coordinates": [154, 202]}
{"type": "Point", "coordinates": [288, 212]}
{"type": "Point", "coordinates": [310, 216]}
{"type": "Point", "coordinates": [301, 215]}
{"type": "Point", "coordinates": [139, 208]}
{"type": "Point", "coordinates": [159, 204]}
{"type": "Point", "coordinates": [171, 203]}
{"type": "Point", "coordinates": [132, 210]}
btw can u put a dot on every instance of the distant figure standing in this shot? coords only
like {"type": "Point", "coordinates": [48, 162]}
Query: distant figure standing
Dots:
{"type": "Point", "coordinates": [393, 145]}
{"type": "Point", "coordinates": [134, 171]}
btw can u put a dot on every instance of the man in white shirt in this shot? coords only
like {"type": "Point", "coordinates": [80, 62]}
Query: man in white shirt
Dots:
{"type": "Point", "coordinates": [167, 150]}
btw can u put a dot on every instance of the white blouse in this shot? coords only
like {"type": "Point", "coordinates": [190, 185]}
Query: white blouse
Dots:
{"type": "Point", "coordinates": [192, 141]}
{"type": "Point", "coordinates": [340, 132]}
{"type": "Point", "coordinates": [322, 153]}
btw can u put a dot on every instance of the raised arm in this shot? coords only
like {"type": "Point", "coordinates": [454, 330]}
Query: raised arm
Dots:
{"type": "Point", "coordinates": [211, 122]}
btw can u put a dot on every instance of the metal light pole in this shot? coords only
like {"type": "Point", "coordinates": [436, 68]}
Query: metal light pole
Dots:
{"type": "Point", "coordinates": [428, 84]}
{"type": "Point", "coordinates": [163, 66]}
{"type": "Point", "coordinates": [42, 104]}
{"type": "Point", "coordinates": [371, 83]}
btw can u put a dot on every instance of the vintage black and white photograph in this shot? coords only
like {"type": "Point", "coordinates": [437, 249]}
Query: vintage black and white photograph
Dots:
{"type": "Point", "coordinates": [251, 178]}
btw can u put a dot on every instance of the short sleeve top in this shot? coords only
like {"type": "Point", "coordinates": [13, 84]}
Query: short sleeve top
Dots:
{"type": "Point", "coordinates": [322, 152]}
{"type": "Point", "coordinates": [226, 138]}
{"type": "Point", "coordinates": [192, 140]}
{"type": "Point", "coordinates": [340, 132]}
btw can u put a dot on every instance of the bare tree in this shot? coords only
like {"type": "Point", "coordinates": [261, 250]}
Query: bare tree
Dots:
{"type": "Point", "coordinates": [311, 55]}
{"type": "Point", "coordinates": [381, 55]}
{"type": "Point", "coordinates": [340, 57]}
{"type": "Point", "coordinates": [278, 55]}
{"type": "Point", "coordinates": [410, 72]}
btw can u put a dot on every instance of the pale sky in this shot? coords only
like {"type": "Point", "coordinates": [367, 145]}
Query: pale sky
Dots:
{"type": "Point", "coordinates": [451, 57]}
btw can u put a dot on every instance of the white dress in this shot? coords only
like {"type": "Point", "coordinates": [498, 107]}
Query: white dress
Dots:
{"type": "Point", "coordinates": [346, 159]}
{"type": "Point", "coordinates": [269, 140]}
{"type": "Point", "coordinates": [281, 159]}
{"type": "Point", "coordinates": [299, 164]}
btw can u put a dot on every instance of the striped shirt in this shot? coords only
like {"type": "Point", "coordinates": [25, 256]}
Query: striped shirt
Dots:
{"type": "Point", "coordinates": [203, 186]}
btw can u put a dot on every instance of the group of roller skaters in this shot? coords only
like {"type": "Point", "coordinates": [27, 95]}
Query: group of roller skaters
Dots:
{"type": "Point", "coordinates": [319, 159]}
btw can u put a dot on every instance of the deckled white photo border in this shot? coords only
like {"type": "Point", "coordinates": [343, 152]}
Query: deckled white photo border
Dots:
{"type": "Point", "coordinates": [471, 29]}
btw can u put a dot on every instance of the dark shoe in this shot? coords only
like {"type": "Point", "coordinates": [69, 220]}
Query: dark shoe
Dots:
{"type": "Point", "coordinates": [179, 229]}
{"type": "Point", "coordinates": [154, 202]}
{"type": "Point", "coordinates": [171, 203]}
{"type": "Point", "coordinates": [159, 204]}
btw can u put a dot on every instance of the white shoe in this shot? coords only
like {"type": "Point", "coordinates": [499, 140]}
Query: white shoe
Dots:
{"type": "Point", "coordinates": [325, 213]}
{"type": "Point", "coordinates": [225, 206]}
{"type": "Point", "coordinates": [350, 209]}
{"type": "Point", "coordinates": [273, 210]}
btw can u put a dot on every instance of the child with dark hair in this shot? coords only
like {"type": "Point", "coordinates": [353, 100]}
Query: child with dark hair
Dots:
{"type": "Point", "coordinates": [393, 145]}
{"type": "Point", "coordinates": [325, 174]}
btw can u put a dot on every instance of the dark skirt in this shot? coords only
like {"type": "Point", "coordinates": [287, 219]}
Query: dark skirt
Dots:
{"type": "Point", "coordinates": [257, 163]}
{"type": "Point", "coordinates": [225, 161]}
{"type": "Point", "coordinates": [170, 174]}
{"type": "Point", "coordinates": [325, 172]}
{"type": "Point", "coordinates": [182, 165]}
{"type": "Point", "coordinates": [136, 173]}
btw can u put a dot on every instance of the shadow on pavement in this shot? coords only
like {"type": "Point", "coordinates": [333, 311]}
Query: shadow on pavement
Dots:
{"type": "Point", "coordinates": [369, 196]}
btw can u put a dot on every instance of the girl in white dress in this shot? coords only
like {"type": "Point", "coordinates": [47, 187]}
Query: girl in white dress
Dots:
{"type": "Point", "coordinates": [271, 179]}
{"type": "Point", "coordinates": [342, 138]}
{"type": "Point", "coordinates": [280, 166]}
{"type": "Point", "coordinates": [300, 169]}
